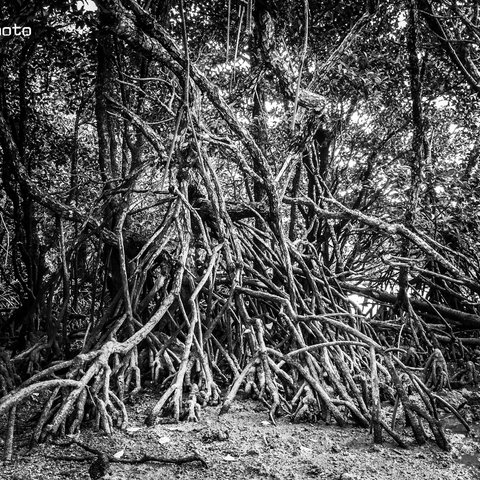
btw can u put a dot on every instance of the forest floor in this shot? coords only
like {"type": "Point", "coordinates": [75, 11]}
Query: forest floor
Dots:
{"type": "Point", "coordinates": [244, 444]}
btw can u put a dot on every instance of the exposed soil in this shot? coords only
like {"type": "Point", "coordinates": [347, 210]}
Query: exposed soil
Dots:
{"type": "Point", "coordinates": [243, 444]}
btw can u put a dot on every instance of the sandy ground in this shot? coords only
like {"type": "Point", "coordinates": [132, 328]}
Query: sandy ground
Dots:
{"type": "Point", "coordinates": [243, 444]}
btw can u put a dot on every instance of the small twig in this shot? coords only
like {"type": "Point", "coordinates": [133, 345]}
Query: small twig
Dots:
{"type": "Point", "coordinates": [70, 458]}
{"type": "Point", "coordinates": [86, 447]}
{"type": "Point", "coordinates": [195, 457]}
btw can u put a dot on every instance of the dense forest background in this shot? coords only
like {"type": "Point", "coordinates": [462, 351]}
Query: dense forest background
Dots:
{"type": "Point", "coordinates": [205, 196]}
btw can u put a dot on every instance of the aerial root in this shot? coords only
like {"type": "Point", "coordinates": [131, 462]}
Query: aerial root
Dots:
{"type": "Point", "coordinates": [436, 371]}
{"type": "Point", "coordinates": [195, 379]}
{"type": "Point", "coordinates": [85, 392]}
{"type": "Point", "coordinates": [8, 449]}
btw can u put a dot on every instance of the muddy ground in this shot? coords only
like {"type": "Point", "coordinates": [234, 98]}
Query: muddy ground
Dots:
{"type": "Point", "coordinates": [243, 444]}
